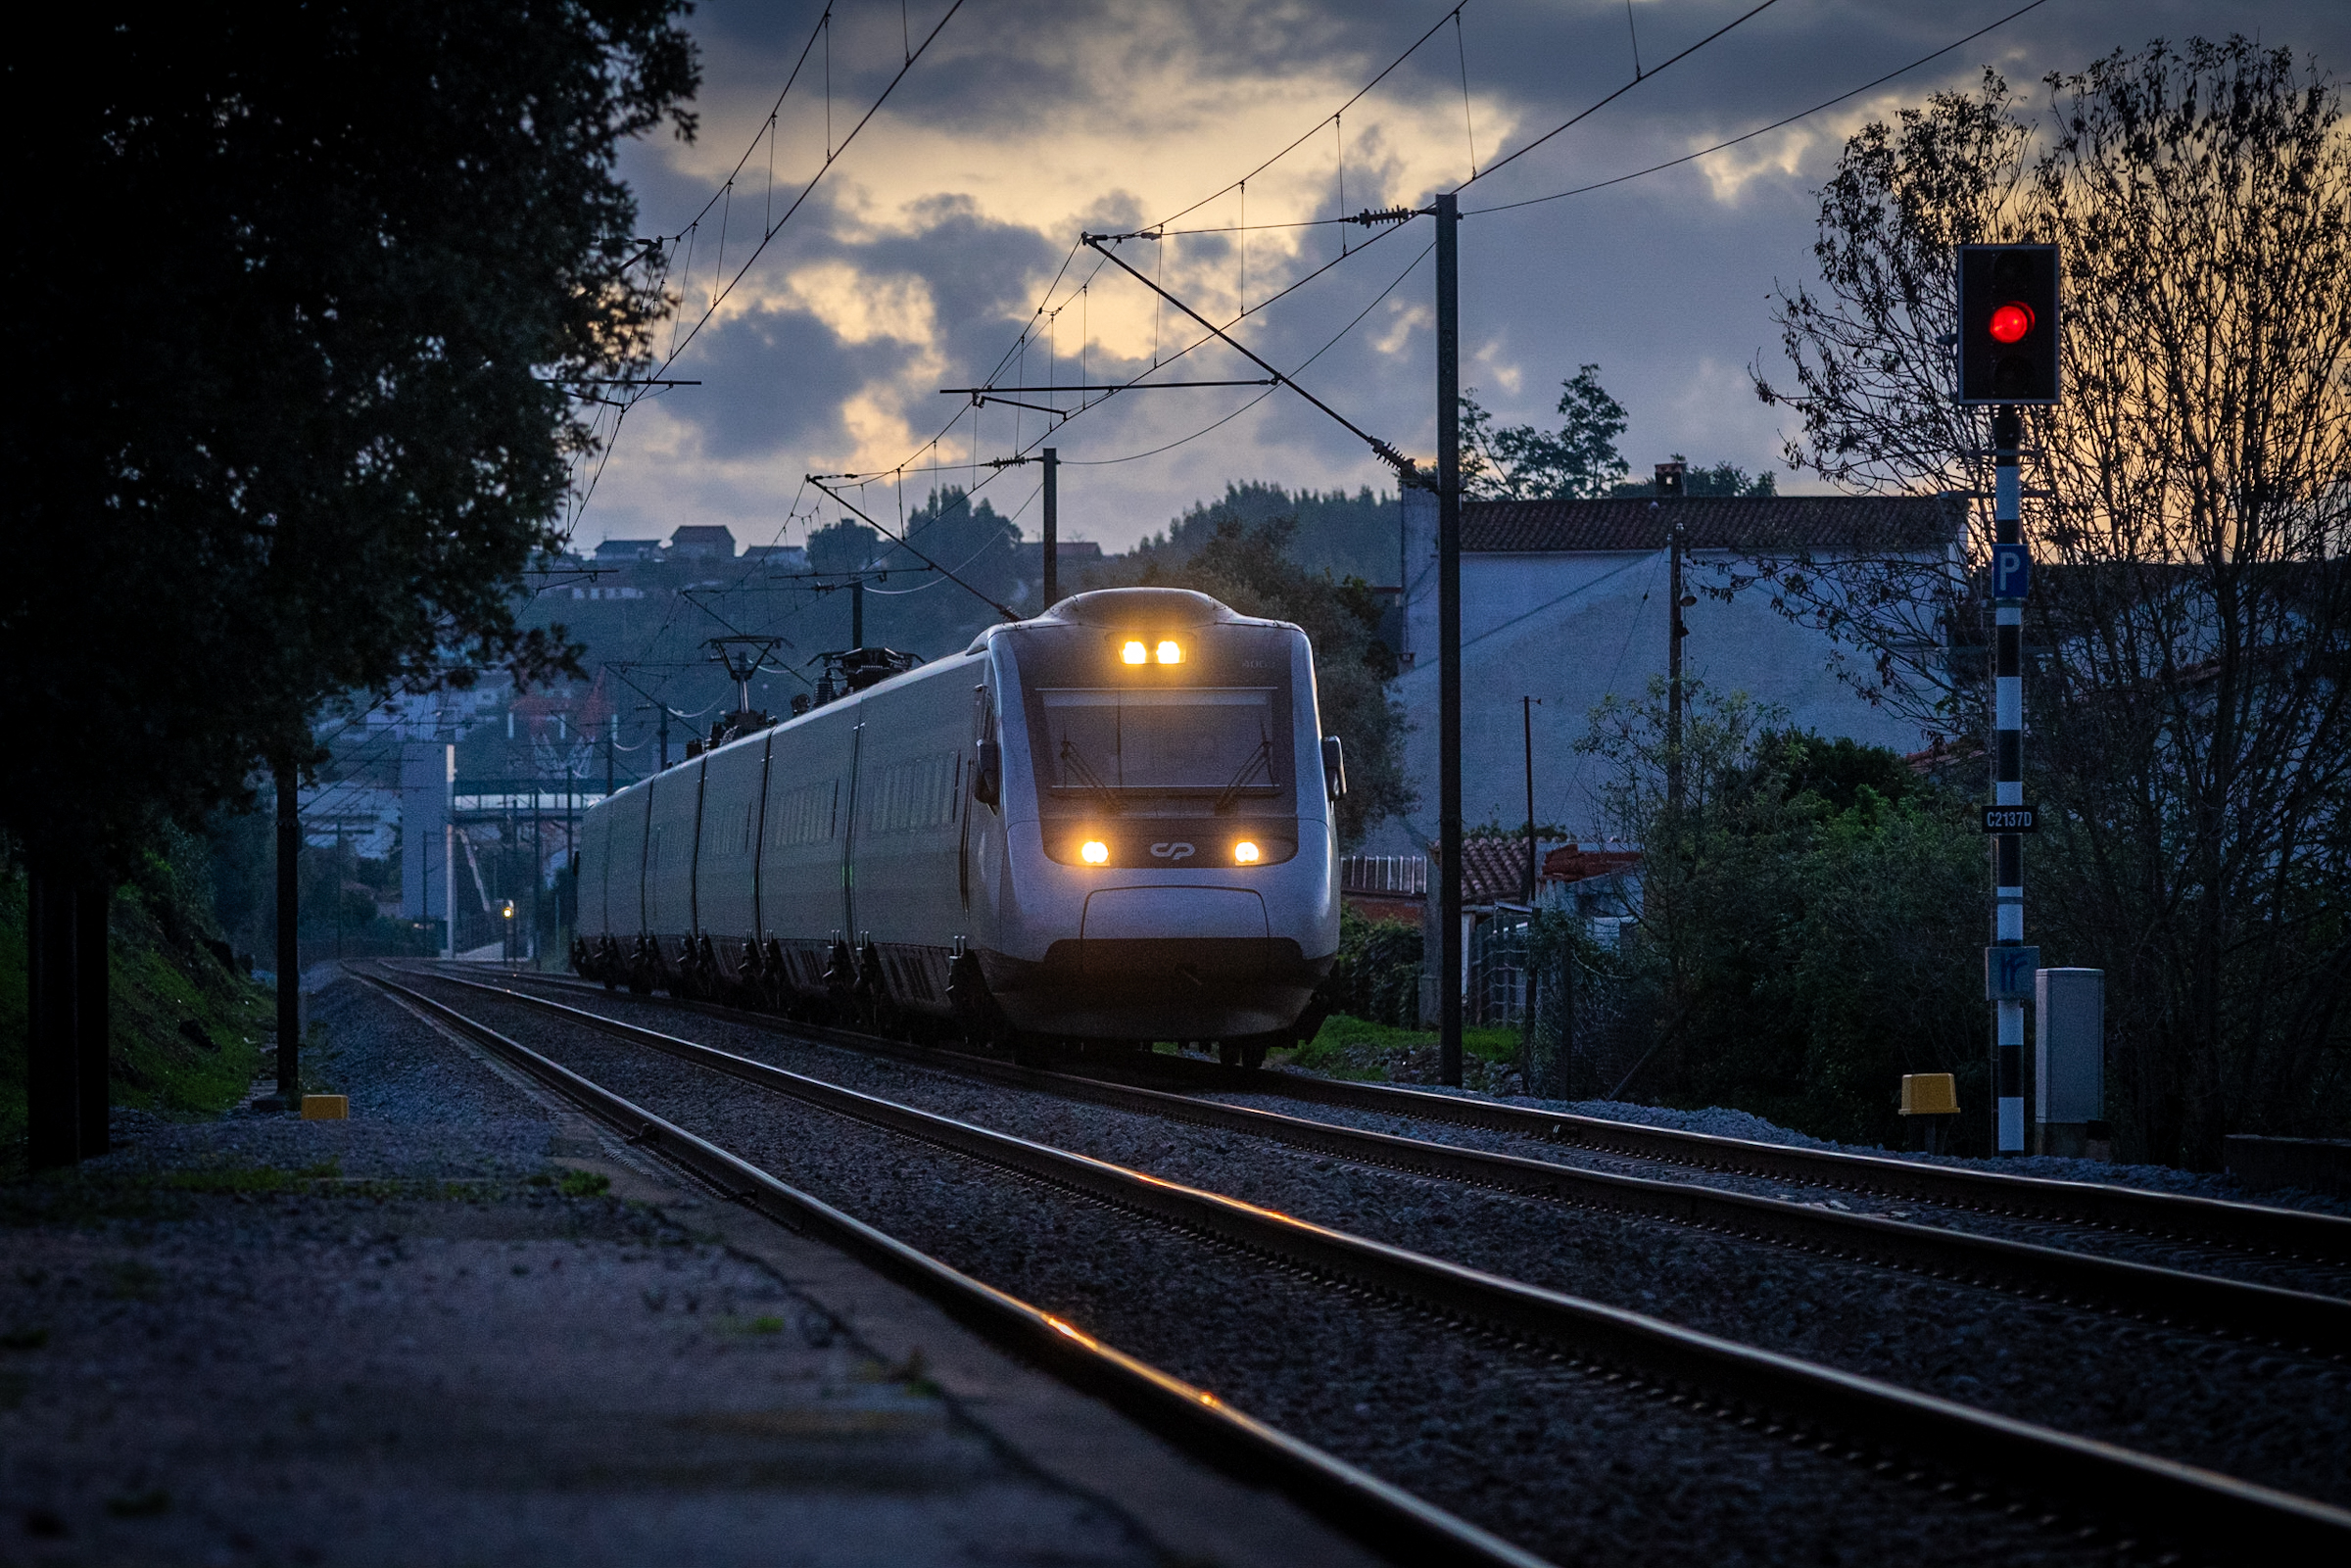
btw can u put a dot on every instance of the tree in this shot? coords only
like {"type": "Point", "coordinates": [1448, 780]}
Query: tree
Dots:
{"type": "Point", "coordinates": [305, 410]}
{"type": "Point", "coordinates": [1792, 948]}
{"type": "Point", "coordinates": [843, 547]}
{"type": "Point", "coordinates": [2191, 610]}
{"type": "Point", "coordinates": [1251, 570]}
{"type": "Point", "coordinates": [1518, 462]}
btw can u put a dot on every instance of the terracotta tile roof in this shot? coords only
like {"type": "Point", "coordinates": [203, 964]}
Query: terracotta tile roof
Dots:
{"type": "Point", "coordinates": [1573, 863]}
{"type": "Point", "coordinates": [1714, 523]}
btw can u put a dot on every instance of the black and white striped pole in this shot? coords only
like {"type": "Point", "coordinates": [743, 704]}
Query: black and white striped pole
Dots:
{"type": "Point", "coordinates": [2007, 343]}
{"type": "Point", "coordinates": [2009, 965]}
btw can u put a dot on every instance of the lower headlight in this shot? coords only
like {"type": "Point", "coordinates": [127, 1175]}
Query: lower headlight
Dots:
{"type": "Point", "coordinates": [1094, 853]}
{"type": "Point", "coordinates": [1245, 853]}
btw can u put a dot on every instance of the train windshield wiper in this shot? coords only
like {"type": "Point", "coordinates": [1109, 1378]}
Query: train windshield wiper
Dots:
{"type": "Point", "coordinates": [1072, 759]}
{"type": "Point", "coordinates": [1261, 758]}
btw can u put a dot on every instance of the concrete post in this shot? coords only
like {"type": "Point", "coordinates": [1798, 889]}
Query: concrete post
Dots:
{"type": "Point", "coordinates": [2069, 1060]}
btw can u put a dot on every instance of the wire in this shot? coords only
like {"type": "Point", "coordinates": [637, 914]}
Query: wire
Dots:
{"type": "Point", "coordinates": [1759, 9]}
{"type": "Point", "coordinates": [1105, 462]}
{"type": "Point", "coordinates": [1449, 16]}
{"type": "Point", "coordinates": [1760, 130]}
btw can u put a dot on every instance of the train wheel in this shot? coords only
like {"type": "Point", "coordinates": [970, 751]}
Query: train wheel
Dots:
{"type": "Point", "coordinates": [1031, 1051]}
{"type": "Point", "coordinates": [1253, 1053]}
{"type": "Point", "coordinates": [1228, 1052]}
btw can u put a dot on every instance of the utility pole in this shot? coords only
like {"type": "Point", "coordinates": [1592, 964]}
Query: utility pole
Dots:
{"type": "Point", "coordinates": [1052, 526]}
{"type": "Point", "coordinates": [1526, 719]}
{"type": "Point", "coordinates": [857, 611]}
{"type": "Point", "coordinates": [289, 948]}
{"type": "Point", "coordinates": [1449, 638]}
{"type": "Point", "coordinates": [1676, 600]}
{"type": "Point", "coordinates": [611, 740]}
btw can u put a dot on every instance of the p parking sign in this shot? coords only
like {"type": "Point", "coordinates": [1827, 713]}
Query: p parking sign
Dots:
{"type": "Point", "coordinates": [2011, 571]}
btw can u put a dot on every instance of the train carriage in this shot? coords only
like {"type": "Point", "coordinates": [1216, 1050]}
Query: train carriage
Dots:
{"type": "Point", "coordinates": [1110, 822]}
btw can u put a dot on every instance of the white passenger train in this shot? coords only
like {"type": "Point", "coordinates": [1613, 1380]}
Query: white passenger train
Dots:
{"type": "Point", "coordinates": [1109, 823]}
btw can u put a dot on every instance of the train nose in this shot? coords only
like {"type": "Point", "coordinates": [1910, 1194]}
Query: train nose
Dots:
{"type": "Point", "coordinates": [1138, 913]}
{"type": "Point", "coordinates": [1195, 934]}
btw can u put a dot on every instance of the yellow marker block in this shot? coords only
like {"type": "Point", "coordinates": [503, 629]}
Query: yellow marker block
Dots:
{"type": "Point", "coordinates": [1930, 1094]}
{"type": "Point", "coordinates": [337, 1107]}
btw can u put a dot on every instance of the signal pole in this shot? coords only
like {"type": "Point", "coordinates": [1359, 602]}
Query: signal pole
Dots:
{"type": "Point", "coordinates": [2008, 356]}
{"type": "Point", "coordinates": [1052, 588]}
{"type": "Point", "coordinates": [1449, 639]}
{"type": "Point", "coordinates": [2008, 788]}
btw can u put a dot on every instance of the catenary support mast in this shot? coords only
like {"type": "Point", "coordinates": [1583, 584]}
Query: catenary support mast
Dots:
{"type": "Point", "coordinates": [1449, 640]}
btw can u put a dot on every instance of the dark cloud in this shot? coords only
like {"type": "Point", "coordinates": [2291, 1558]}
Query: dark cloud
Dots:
{"type": "Point", "coordinates": [1661, 280]}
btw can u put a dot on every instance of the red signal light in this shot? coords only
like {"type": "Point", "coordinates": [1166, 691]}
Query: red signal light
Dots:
{"type": "Point", "coordinates": [2011, 321]}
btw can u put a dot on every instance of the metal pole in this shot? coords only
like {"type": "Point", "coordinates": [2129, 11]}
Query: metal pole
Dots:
{"type": "Point", "coordinates": [1526, 720]}
{"type": "Point", "coordinates": [1673, 669]}
{"type": "Point", "coordinates": [856, 612]}
{"type": "Point", "coordinates": [2008, 789]}
{"type": "Point", "coordinates": [289, 951]}
{"type": "Point", "coordinates": [1449, 638]}
{"type": "Point", "coordinates": [1052, 526]}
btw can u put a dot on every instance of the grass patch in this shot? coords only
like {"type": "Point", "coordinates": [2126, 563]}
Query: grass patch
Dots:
{"type": "Point", "coordinates": [584, 1184]}
{"type": "Point", "coordinates": [1348, 1047]}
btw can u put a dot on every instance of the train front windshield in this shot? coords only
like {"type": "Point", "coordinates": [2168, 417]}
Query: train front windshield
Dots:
{"type": "Point", "coordinates": [1222, 742]}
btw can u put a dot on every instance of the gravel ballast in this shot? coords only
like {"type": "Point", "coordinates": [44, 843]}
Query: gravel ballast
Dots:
{"type": "Point", "coordinates": [1564, 1463]}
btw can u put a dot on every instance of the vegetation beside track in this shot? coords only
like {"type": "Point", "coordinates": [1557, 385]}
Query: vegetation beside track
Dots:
{"type": "Point", "coordinates": [187, 1030]}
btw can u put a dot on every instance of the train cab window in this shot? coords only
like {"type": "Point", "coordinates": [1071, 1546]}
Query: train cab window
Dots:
{"type": "Point", "coordinates": [1219, 741]}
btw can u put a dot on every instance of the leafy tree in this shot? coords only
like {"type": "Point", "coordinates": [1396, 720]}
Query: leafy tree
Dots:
{"type": "Point", "coordinates": [1348, 536]}
{"type": "Point", "coordinates": [1722, 479]}
{"type": "Point", "coordinates": [1807, 923]}
{"type": "Point", "coordinates": [303, 416]}
{"type": "Point", "coordinates": [2190, 723]}
{"type": "Point", "coordinates": [843, 547]}
{"type": "Point", "coordinates": [1518, 462]}
{"type": "Point", "coordinates": [1252, 571]}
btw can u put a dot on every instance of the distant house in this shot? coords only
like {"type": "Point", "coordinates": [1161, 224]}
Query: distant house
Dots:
{"type": "Point", "coordinates": [703, 542]}
{"type": "Point", "coordinates": [627, 551]}
{"type": "Point", "coordinates": [1565, 601]}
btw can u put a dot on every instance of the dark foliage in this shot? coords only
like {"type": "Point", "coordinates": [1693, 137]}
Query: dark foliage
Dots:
{"type": "Point", "coordinates": [1377, 975]}
{"type": "Point", "coordinates": [2188, 724]}
{"type": "Point", "coordinates": [302, 421]}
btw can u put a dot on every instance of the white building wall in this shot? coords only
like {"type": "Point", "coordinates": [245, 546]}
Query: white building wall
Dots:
{"type": "Point", "coordinates": [1572, 628]}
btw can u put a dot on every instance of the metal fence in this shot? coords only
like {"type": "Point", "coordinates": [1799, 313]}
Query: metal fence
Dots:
{"type": "Point", "coordinates": [1498, 968]}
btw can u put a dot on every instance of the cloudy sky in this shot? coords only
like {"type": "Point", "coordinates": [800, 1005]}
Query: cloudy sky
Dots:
{"type": "Point", "coordinates": [938, 251]}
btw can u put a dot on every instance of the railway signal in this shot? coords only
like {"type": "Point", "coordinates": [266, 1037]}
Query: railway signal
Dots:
{"type": "Point", "coordinates": [2009, 324]}
{"type": "Point", "coordinates": [2008, 358]}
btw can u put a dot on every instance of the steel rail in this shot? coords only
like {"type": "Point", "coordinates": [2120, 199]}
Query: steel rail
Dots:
{"type": "Point", "coordinates": [1386, 1519]}
{"type": "Point", "coordinates": [2218, 1513]}
{"type": "Point", "coordinates": [2213, 1221]}
{"type": "Point", "coordinates": [2257, 1229]}
{"type": "Point", "coordinates": [2293, 1319]}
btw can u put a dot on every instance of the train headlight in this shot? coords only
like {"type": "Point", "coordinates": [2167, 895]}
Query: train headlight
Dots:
{"type": "Point", "coordinates": [1094, 853]}
{"type": "Point", "coordinates": [1244, 853]}
{"type": "Point", "coordinates": [1135, 653]}
{"type": "Point", "coordinates": [1171, 652]}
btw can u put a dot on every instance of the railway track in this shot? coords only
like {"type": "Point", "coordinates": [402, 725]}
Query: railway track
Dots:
{"type": "Point", "coordinates": [2302, 1321]}
{"type": "Point", "coordinates": [1899, 1430]}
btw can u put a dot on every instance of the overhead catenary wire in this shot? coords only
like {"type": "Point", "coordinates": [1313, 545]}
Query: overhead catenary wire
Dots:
{"type": "Point", "coordinates": [1763, 130]}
